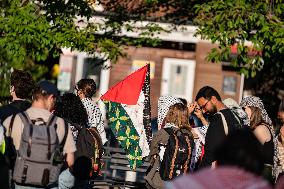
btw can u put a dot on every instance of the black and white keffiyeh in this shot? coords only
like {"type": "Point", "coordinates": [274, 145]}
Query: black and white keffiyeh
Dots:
{"type": "Point", "coordinates": [164, 104]}
{"type": "Point", "coordinates": [198, 143]}
{"type": "Point", "coordinates": [95, 117]}
{"type": "Point", "coordinates": [254, 101]}
{"type": "Point", "coordinates": [237, 110]}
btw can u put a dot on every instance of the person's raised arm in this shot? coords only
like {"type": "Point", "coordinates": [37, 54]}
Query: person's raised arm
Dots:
{"type": "Point", "coordinates": [200, 116]}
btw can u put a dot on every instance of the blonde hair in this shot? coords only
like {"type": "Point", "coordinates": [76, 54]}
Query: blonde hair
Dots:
{"type": "Point", "coordinates": [178, 115]}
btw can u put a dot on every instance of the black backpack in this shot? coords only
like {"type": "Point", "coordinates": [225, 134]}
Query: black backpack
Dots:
{"type": "Point", "coordinates": [89, 144]}
{"type": "Point", "coordinates": [177, 155]}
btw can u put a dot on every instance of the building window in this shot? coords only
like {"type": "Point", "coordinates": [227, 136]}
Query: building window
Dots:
{"type": "Point", "coordinates": [230, 85]}
{"type": "Point", "coordinates": [178, 78]}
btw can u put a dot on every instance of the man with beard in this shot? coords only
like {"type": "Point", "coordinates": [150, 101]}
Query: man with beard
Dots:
{"type": "Point", "coordinates": [222, 122]}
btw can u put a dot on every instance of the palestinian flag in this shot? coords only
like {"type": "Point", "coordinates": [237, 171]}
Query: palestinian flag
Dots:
{"type": "Point", "coordinates": [128, 109]}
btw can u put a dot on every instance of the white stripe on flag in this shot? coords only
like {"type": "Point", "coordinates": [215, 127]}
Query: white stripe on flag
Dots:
{"type": "Point", "coordinates": [135, 113]}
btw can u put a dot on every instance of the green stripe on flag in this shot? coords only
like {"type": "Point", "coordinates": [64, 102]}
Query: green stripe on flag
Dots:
{"type": "Point", "coordinates": [125, 132]}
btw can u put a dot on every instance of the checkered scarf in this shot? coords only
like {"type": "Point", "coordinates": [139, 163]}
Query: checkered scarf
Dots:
{"type": "Point", "coordinates": [241, 114]}
{"type": "Point", "coordinates": [254, 101]}
{"type": "Point", "coordinates": [164, 104]}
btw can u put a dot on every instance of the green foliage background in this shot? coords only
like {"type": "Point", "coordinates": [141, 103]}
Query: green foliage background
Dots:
{"type": "Point", "coordinates": [257, 28]}
{"type": "Point", "coordinates": [32, 31]}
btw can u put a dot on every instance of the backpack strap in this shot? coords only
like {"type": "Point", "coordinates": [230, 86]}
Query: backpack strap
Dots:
{"type": "Point", "coordinates": [65, 136]}
{"type": "Point", "coordinates": [186, 135]}
{"type": "Point", "coordinates": [11, 125]}
{"type": "Point", "coordinates": [225, 125]}
{"type": "Point", "coordinates": [27, 122]}
{"type": "Point", "coordinates": [170, 131]}
{"type": "Point", "coordinates": [51, 122]}
{"type": "Point", "coordinates": [189, 154]}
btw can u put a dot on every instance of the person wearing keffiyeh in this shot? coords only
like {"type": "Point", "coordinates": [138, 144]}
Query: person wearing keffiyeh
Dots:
{"type": "Point", "coordinates": [240, 114]}
{"type": "Point", "coordinates": [172, 113]}
{"type": "Point", "coordinates": [239, 166]}
{"type": "Point", "coordinates": [280, 139]}
{"type": "Point", "coordinates": [164, 103]}
{"type": "Point", "coordinates": [86, 88]}
{"type": "Point", "coordinates": [261, 125]}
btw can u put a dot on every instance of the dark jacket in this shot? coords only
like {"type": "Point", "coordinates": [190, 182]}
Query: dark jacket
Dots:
{"type": "Point", "coordinates": [4, 173]}
{"type": "Point", "coordinates": [216, 134]}
{"type": "Point", "coordinates": [14, 107]}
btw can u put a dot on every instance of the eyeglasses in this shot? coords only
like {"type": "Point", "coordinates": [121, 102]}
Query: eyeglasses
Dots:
{"type": "Point", "coordinates": [202, 107]}
{"type": "Point", "coordinates": [76, 88]}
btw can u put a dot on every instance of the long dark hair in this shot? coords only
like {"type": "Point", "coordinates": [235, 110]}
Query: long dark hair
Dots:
{"type": "Point", "coordinates": [71, 109]}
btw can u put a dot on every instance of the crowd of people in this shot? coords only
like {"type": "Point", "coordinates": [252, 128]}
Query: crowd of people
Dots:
{"type": "Point", "coordinates": [45, 137]}
{"type": "Point", "coordinates": [230, 145]}
{"type": "Point", "coordinates": [52, 141]}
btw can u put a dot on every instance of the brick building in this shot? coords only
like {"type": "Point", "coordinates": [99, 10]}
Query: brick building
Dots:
{"type": "Point", "coordinates": [178, 67]}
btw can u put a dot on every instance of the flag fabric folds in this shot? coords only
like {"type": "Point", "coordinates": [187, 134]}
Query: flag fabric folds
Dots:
{"type": "Point", "coordinates": [129, 116]}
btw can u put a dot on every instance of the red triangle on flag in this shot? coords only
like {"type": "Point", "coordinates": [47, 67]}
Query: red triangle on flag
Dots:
{"type": "Point", "coordinates": [128, 90]}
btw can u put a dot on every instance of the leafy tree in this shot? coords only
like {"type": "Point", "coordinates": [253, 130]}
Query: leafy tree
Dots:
{"type": "Point", "coordinates": [33, 30]}
{"type": "Point", "coordinates": [257, 29]}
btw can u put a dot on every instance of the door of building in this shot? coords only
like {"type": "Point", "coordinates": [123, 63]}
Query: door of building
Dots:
{"type": "Point", "coordinates": [178, 78]}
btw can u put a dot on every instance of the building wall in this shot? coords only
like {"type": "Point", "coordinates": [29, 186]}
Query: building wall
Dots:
{"type": "Point", "coordinates": [205, 74]}
{"type": "Point", "coordinates": [212, 74]}
{"type": "Point", "coordinates": [123, 67]}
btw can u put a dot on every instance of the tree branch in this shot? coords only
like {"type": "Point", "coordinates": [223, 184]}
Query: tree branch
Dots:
{"type": "Point", "coordinates": [24, 3]}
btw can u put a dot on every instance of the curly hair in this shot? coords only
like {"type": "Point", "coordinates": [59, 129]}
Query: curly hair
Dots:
{"type": "Point", "coordinates": [87, 86]}
{"type": "Point", "coordinates": [71, 109]}
{"type": "Point", "coordinates": [23, 83]}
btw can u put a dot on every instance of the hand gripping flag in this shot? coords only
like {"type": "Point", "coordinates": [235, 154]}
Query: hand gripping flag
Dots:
{"type": "Point", "coordinates": [128, 109]}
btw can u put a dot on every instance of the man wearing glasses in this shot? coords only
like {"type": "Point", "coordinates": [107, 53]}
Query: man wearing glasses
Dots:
{"type": "Point", "coordinates": [221, 123]}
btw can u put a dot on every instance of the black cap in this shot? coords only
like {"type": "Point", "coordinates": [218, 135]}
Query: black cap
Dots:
{"type": "Point", "coordinates": [48, 87]}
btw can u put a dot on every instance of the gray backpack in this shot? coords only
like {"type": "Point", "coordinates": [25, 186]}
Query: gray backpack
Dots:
{"type": "Point", "coordinates": [40, 158]}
